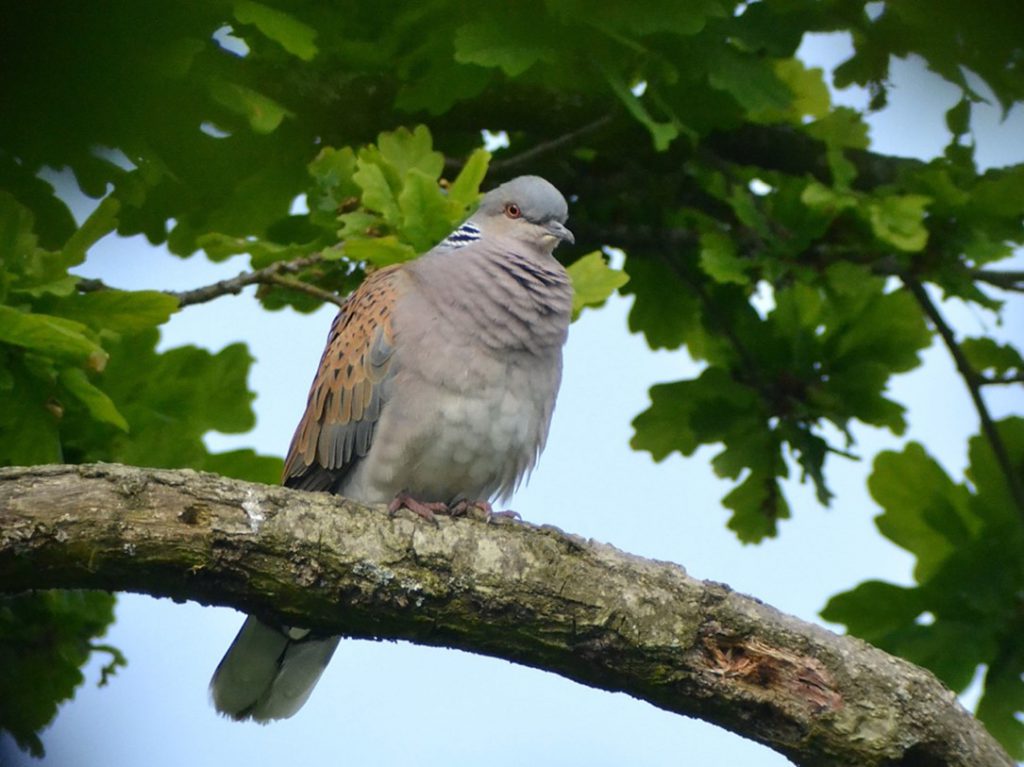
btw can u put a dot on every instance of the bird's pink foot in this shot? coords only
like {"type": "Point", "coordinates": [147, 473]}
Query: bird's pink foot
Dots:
{"type": "Point", "coordinates": [424, 509]}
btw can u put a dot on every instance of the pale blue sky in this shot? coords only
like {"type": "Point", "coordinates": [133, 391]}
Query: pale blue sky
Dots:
{"type": "Point", "coordinates": [388, 703]}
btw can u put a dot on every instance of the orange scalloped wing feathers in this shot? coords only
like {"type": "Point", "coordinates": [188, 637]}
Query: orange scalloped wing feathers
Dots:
{"type": "Point", "coordinates": [350, 386]}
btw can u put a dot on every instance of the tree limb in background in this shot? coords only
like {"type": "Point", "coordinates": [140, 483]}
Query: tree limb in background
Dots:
{"type": "Point", "coordinates": [974, 382]}
{"type": "Point", "coordinates": [529, 594]}
{"type": "Point", "coordinates": [268, 275]}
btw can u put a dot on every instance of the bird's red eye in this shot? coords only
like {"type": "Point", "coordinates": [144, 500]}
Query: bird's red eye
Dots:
{"type": "Point", "coordinates": [512, 210]}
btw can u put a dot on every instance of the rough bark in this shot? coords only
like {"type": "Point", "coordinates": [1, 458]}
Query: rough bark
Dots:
{"type": "Point", "coordinates": [533, 595]}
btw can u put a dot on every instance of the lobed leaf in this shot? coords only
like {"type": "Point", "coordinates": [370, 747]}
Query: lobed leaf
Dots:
{"type": "Point", "coordinates": [593, 281]}
{"type": "Point", "coordinates": [293, 35]}
{"type": "Point", "coordinates": [53, 336]}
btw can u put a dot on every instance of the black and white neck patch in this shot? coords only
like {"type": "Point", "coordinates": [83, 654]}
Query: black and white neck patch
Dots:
{"type": "Point", "coordinates": [462, 236]}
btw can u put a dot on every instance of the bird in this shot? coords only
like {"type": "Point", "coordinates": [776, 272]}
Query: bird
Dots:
{"type": "Point", "coordinates": [434, 393]}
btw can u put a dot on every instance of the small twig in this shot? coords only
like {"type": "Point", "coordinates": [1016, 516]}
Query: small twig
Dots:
{"type": "Point", "coordinates": [1009, 280]}
{"type": "Point", "coordinates": [270, 275]}
{"type": "Point", "coordinates": [974, 382]}
{"type": "Point", "coordinates": [550, 146]}
{"type": "Point", "coordinates": [236, 284]}
{"type": "Point", "coordinates": [303, 287]}
{"type": "Point", "coordinates": [117, 660]}
{"type": "Point", "coordinates": [1001, 380]}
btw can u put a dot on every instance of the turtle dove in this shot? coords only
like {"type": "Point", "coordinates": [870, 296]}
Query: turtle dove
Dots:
{"type": "Point", "coordinates": [435, 391]}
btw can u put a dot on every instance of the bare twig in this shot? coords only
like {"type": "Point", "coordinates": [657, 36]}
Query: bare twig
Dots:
{"type": "Point", "coordinates": [1009, 280]}
{"type": "Point", "coordinates": [540, 149]}
{"type": "Point", "coordinates": [304, 287]}
{"type": "Point", "coordinates": [1001, 380]}
{"type": "Point", "coordinates": [974, 382]}
{"type": "Point", "coordinates": [236, 284]}
{"type": "Point", "coordinates": [550, 146]}
{"type": "Point", "coordinates": [270, 275]}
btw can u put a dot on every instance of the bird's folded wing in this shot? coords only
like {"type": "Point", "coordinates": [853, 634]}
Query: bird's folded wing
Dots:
{"type": "Point", "coordinates": [350, 387]}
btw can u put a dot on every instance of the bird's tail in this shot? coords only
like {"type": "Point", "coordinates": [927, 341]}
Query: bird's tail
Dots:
{"type": "Point", "coordinates": [269, 672]}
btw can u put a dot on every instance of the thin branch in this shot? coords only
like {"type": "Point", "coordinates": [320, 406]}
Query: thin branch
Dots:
{"type": "Point", "coordinates": [974, 383]}
{"type": "Point", "coordinates": [531, 595]}
{"type": "Point", "coordinates": [270, 275]}
{"type": "Point", "coordinates": [544, 147]}
{"type": "Point", "coordinates": [304, 287]}
{"type": "Point", "coordinates": [1008, 280]}
{"type": "Point", "coordinates": [552, 145]}
{"type": "Point", "coordinates": [1014, 378]}
{"type": "Point", "coordinates": [236, 284]}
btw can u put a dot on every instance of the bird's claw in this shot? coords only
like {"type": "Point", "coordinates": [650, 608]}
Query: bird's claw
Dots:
{"type": "Point", "coordinates": [424, 509]}
{"type": "Point", "coordinates": [506, 514]}
{"type": "Point", "coordinates": [464, 507]}
{"type": "Point", "coordinates": [429, 509]}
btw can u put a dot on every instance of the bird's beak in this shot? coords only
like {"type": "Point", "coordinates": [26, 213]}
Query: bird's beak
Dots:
{"type": "Point", "coordinates": [561, 231]}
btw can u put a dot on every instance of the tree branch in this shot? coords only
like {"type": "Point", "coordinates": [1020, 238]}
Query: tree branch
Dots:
{"type": "Point", "coordinates": [1007, 280]}
{"type": "Point", "coordinates": [533, 595]}
{"type": "Point", "coordinates": [974, 383]}
{"type": "Point", "coordinates": [269, 275]}
{"type": "Point", "coordinates": [544, 147]}
{"type": "Point", "coordinates": [1003, 380]}
{"type": "Point", "coordinates": [304, 287]}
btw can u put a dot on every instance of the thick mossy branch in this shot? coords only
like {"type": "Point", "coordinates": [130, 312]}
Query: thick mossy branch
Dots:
{"type": "Point", "coordinates": [534, 595]}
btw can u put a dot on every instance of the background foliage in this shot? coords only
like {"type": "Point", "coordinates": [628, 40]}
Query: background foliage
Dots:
{"type": "Point", "coordinates": [760, 232]}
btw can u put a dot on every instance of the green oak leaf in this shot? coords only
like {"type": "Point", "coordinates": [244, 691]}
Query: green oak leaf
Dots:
{"type": "Point", "coordinates": [244, 464]}
{"type": "Point", "coordinates": [441, 84]}
{"type": "Point", "coordinates": [876, 608]}
{"type": "Point", "coordinates": [757, 504]}
{"type": "Point", "coordinates": [332, 172]}
{"type": "Point", "coordinates": [720, 261]}
{"type": "Point", "coordinates": [379, 251]}
{"type": "Point", "coordinates": [120, 310]}
{"type": "Point", "coordinates": [988, 356]}
{"type": "Point", "coordinates": [899, 220]}
{"type": "Point", "coordinates": [464, 191]}
{"type": "Point", "coordinates": [29, 415]}
{"type": "Point", "coordinates": [663, 132]}
{"type": "Point", "coordinates": [665, 311]}
{"type": "Point", "coordinates": [404, 150]}
{"type": "Point", "coordinates": [99, 405]}
{"type": "Point", "coordinates": [964, 610]}
{"type": "Point", "coordinates": [101, 222]}
{"type": "Point", "coordinates": [170, 400]}
{"type": "Point", "coordinates": [45, 637]}
{"type": "Point", "coordinates": [377, 192]}
{"type": "Point", "coordinates": [809, 96]}
{"type": "Point", "coordinates": [593, 281]}
{"type": "Point", "coordinates": [925, 513]}
{"type": "Point", "coordinates": [263, 113]}
{"type": "Point", "coordinates": [424, 208]}
{"type": "Point", "coordinates": [513, 43]}
{"type": "Point", "coordinates": [54, 336]}
{"type": "Point", "coordinates": [293, 35]}
{"type": "Point", "coordinates": [1002, 703]}
{"type": "Point", "coordinates": [754, 82]}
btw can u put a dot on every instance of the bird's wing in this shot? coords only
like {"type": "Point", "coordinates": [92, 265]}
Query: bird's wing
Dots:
{"type": "Point", "coordinates": [350, 387]}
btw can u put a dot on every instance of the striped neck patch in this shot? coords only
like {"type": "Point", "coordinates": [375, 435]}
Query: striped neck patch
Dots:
{"type": "Point", "coordinates": [462, 236]}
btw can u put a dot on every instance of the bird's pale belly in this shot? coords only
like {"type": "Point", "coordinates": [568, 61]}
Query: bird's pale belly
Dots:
{"type": "Point", "coordinates": [473, 444]}
{"type": "Point", "coordinates": [483, 446]}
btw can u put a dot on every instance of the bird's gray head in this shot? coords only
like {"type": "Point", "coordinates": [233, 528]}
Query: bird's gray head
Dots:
{"type": "Point", "coordinates": [528, 208]}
